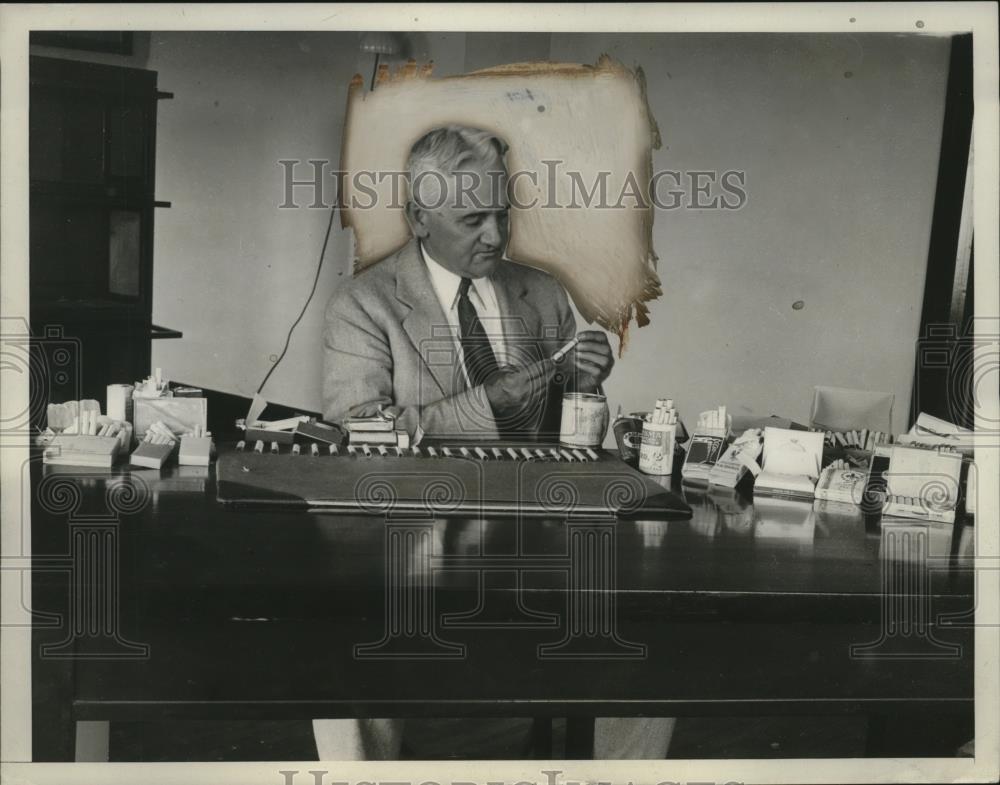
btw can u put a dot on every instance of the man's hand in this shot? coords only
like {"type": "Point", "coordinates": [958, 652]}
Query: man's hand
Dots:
{"type": "Point", "coordinates": [511, 390]}
{"type": "Point", "coordinates": [593, 359]}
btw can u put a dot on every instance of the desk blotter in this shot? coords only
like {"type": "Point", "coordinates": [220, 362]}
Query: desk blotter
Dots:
{"type": "Point", "coordinates": [446, 481]}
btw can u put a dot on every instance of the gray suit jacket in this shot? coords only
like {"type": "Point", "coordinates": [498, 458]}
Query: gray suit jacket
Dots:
{"type": "Point", "coordinates": [386, 342]}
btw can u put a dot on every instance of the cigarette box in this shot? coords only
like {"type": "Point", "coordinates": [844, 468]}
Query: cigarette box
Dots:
{"type": "Point", "coordinates": [195, 451]}
{"type": "Point", "coordinates": [152, 456]}
{"type": "Point", "coordinates": [703, 453]}
{"type": "Point", "coordinates": [82, 450]}
{"type": "Point", "coordinates": [180, 415]}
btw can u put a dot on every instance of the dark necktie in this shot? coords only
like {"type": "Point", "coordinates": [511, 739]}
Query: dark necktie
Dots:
{"type": "Point", "coordinates": [480, 362]}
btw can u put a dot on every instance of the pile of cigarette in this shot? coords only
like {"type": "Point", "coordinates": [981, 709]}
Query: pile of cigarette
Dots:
{"type": "Point", "coordinates": [158, 433]}
{"type": "Point", "coordinates": [713, 420]}
{"type": "Point", "coordinates": [91, 423]}
{"type": "Point", "coordinates": [153, 386]}
{"type": "Point", "coordinates": [861, 439]}
{"type": "Point", "coordinates": [664, 413]}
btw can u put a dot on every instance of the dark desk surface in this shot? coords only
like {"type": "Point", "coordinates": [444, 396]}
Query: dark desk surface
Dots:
{"type": "Point", "coordinates": [744, 607]}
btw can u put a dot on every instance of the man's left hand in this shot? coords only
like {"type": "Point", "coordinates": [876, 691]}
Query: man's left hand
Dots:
{"type": "Point", "coordinates": [593, 359]}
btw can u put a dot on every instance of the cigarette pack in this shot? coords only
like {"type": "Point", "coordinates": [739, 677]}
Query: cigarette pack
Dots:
{"type": "Point", "coordinates": [792, 462]}
{"type": "Point", "coordinates": [703, 453]}
{"type": "Point", "coordinates": [923, 483]}
{"type": "Point", "coordinates": [842, 485]}
{"type": "Point", "coordinates": [195, 451]}
{"type": "Point", "coordinates": [180, 415]}
{"type": "Point", "coordinates": [82, 450]}
{"type": "Point", "coordinates": [738, 459]}
{"type": "Point", "coordinates": [318, 432]}
{"type": "Point", "coordinates": [152, 456]}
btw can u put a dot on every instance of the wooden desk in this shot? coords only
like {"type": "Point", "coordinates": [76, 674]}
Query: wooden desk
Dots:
{"type": "Point", "coordinates": [253, 613]}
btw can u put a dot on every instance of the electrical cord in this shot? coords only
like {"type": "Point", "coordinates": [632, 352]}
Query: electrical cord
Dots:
{"type": "Point", "coordinates": [288, 338]}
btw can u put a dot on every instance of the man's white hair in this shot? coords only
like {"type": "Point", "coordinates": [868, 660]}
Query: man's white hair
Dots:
{"type": "Point", "coordinates": [444, 150]}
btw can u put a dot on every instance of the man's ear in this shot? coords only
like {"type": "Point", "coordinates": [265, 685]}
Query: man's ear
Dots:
{"type": "Point", "coordinates": [417, 219]}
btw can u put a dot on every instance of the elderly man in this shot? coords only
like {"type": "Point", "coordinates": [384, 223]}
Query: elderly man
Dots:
{"type": "Point", "coordinates": [387, 327]}
{"type": "Point", "coordinates": [457, 341]}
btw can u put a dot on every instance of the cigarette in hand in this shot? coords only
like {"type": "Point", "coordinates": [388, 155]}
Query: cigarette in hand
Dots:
{"type": "Point", "coordinates": [565, 350]}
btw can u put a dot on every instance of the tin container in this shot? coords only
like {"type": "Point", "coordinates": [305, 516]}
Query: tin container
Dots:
{"type": "Point", "coordinates": [584, 420]}
{"type": "Point", "coordinates": [628, 436]}
{"type": "Point", "coordinates": [118, 405]}
{"type": "Point", "coordinates": [656, 453]}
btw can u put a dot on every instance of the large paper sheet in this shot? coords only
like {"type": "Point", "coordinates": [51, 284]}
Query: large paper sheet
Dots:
{"type": "Point", "coordinates": [589, 119]}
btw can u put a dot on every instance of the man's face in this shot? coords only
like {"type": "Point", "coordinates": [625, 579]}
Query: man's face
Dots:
{"type": "Point", "coordinates": [468, 233]}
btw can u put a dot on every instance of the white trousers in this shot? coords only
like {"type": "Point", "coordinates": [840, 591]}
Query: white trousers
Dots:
{"type": "Point", "coordinates": [615, 738]}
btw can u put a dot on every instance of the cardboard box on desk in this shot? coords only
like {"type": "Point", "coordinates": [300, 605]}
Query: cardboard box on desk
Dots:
{"type": "Point", "coordinates": [180, 415]}
{"type": "Point", "coordinates": [152, 456]}
{"type": "Point", "coordinates": [923, 484]}
{"type": "Point", "coordinates": [82, 450]}
{"type": "Point", "coordinates": [792, 461]}
{"type": "Point", "coordinates": [195, 451]}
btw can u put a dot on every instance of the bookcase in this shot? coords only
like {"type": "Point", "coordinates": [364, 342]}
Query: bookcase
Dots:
{"type": "Point", "coordinates": [92, 162]}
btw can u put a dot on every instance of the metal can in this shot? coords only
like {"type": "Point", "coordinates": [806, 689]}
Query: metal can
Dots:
{"type": "Point", "coordinates": [584, 420]}
{"type": "Point", "coordinates": [628, 436]}
{"type": "Point", "coordinates": [119, 402]}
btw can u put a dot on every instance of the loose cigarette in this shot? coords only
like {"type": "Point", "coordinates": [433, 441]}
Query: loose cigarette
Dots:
{"type": "Point", "coordinates": [296, 449]}
{"type": "Point", "coordinates": [241, 445]}
{"type": "Point", "coordinates": [259, 447]}
{"type": "Point", "coordinates": [565, 350]}
{"type": "Point", "coordinates": [314, 450]}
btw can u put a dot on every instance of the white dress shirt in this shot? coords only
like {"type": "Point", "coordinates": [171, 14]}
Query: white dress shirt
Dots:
{"type": "Point", "coordinates": [483, 297]}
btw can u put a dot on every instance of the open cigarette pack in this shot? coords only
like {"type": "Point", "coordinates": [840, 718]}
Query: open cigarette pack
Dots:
{"type": "Point", "coordinates": [707, 445]}
{"type": "Point", "coordinates": [923, 483]}
{"type": "Point", "coordinates": [792, 461]}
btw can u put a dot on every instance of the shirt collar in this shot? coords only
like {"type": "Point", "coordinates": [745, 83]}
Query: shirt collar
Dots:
{"type": "Point", "coordinates": [446, 283]}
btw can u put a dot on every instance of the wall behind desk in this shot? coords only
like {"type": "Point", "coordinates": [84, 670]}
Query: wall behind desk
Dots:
{"type": "Point", "coordinates": [838, 135]}
{"type": "Point", "coordinates": [232, 269]}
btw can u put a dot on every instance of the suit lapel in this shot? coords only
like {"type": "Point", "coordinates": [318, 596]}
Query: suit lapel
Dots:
{"type": "Point", "coordinates": [520, 321]}
{"type": "Point", "coordinates": [425, 324]}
